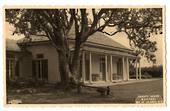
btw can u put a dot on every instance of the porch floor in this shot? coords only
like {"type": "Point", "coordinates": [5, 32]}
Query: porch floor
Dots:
{"type": "Point", "coordinates": [103, 84]}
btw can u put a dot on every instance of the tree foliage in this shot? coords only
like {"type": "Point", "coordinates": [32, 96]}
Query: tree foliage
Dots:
{"type": "Point", "coordinates": [138, 24]}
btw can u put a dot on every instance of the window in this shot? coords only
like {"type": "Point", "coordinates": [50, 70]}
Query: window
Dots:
{"type": "Point", "coordinates": [103, 67]}
{"type": "Point", "coordinates": [102, 63]}
{"type": "Point", "coordinates": [12, 68]}
{"type": "Point", "coordinates": [40, 69]}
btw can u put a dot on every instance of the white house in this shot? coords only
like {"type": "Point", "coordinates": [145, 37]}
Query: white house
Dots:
{"type": "Point", "coordinates": [103, 59]}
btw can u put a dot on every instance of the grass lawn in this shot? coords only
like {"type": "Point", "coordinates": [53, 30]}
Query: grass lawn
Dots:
{"type": "Point", "coordinates": [124, 93]}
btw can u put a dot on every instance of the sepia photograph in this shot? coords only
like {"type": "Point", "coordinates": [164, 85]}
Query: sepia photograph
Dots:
{"type": "Point", "coordinates": [89, 55]}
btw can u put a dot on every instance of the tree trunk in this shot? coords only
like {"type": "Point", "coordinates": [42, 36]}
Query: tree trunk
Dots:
{"type": "Point", "coordinates": [68, 68]}
{"type": "Point", "coordinates": [64, 68]}
{"type": "Point", "coordinates": [75, 66]}
{"type": "Point", "coordinates": [76, 69]}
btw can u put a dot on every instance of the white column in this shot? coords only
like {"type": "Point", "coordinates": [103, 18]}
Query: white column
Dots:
{"type": "Point", "coordinates": [136, 69]}
{"type": "Point", "coordinates": [83, 66]}
{"type": "Point", "coordinates": [111, 68]}
{"type": "Point", "coordinates": [123, 68]}
{"type": "Point", "coordinates": [139, 71]}
{"type": "Point", "coordinates": [106, 68]}
{"type": "Point", "coordinates": [90, 65]}
{"type": "Point", "coordinates": [127, 68]}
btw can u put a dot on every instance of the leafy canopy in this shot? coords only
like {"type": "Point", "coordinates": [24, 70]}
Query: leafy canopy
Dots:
{"type": "Point", "coordinates": [137, 23]}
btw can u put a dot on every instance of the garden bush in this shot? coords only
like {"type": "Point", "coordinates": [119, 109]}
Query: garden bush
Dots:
{"type": "Point", "coordinates": [148, 72]}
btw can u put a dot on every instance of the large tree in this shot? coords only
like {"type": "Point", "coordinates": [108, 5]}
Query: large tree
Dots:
{"type": "Point", "coordinates": [56, 24]}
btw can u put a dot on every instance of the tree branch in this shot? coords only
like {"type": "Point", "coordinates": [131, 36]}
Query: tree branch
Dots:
{"type": "Point", "coordinates": [73, 13]}
{"type": "Point", "coordinates": [84, 21]}
{"type": "Point", "coordinates": [109, 33]}
{"type": "Point", "coordinates": [70, 24]}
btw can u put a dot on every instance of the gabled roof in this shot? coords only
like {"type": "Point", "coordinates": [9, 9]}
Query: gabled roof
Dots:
{"type": "Point", "coordinates": [102, 39]}
{"type": "Point", "coordinates": [96, 38]}
{"type": "Point", "coordinates": [33, 38]}
{"type": "Point", "coordinates": [11, 45]}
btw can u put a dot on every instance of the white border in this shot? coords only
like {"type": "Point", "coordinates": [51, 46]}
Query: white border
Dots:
{"type": "Point", "coordinates": [82, 3]}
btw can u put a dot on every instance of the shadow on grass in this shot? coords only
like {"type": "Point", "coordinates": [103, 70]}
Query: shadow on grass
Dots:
{"type": "Point", "coordinates": [119, 94]}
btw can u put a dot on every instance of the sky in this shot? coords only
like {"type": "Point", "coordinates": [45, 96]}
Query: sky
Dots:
{"type": "Point", "coordinates": [9, 32]}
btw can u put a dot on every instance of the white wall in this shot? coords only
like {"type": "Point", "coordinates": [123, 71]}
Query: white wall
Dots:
{"type": "Point", "coordinates": [51, 54]}
{"type": "Point", "coordinates": [95, 64]}
{"type": "Point", "coordinates": [114, 61]}
{"type": "Point", "coordinates": [25, 66]}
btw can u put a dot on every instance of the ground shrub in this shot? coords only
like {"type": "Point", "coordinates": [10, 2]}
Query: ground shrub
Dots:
{"type": "Point", "coordinates": [24, 83]}
{"type": "Point", "coordinates": [148, 72]}
{"type": "Point", "coordinates": [154, 71]}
